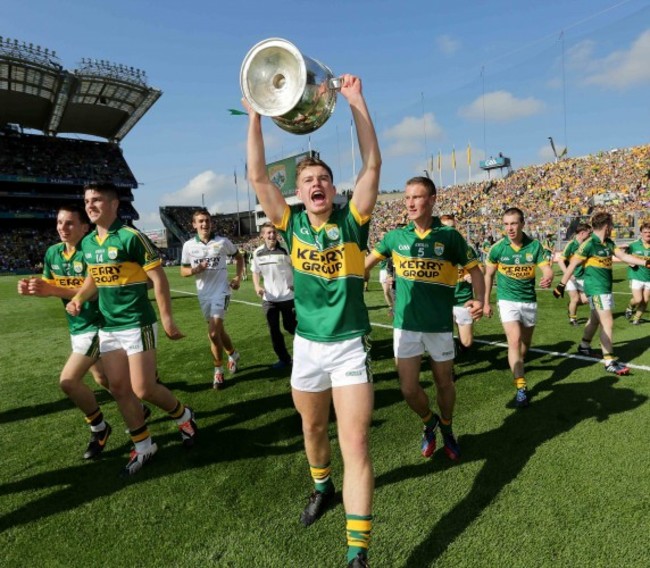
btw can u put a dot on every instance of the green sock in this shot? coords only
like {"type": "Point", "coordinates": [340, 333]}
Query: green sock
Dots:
{"type": "Point", "coordinates": [358, 529]}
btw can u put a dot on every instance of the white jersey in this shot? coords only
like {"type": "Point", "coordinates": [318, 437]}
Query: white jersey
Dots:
{"type": "Point", "coordinates": [275, 267]}
{"type": "Point", "coordinates": [214, 280]}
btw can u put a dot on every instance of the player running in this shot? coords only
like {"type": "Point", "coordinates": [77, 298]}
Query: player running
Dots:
{"type": "Point", "coordinates": [575, 285]}
{"type": "Point", "coordinates": [64, 270]}
{"type": "Point", "coordinates": [513, 259]}
{"type": "Point", "coordinates": [205, 257]}
{"type": "Point", "coordinates": [596, 255]}
{"type": "Point", "coordinates": [121, 262]}
{"type": "Point", "coordinates": [426, 254]}
{"type": "Point", "coordinates": [639, 277]}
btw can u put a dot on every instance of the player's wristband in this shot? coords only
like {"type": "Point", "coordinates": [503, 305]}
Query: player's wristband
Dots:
{"type": "Point", "coordinates": [76, 298]}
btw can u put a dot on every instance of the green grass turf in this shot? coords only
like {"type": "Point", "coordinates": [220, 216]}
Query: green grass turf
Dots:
{"type": "Point", "coordinates": [562, 483]}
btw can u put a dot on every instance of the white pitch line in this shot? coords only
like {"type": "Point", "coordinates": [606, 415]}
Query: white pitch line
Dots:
{"type": "Point", "coordinates": [560, 354]}
{"type": "Point", "coordinates": [497, 343]}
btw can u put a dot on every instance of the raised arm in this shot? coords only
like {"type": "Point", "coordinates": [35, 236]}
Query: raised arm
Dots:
{"type": "Point", "coordinates": [271, 199]}
{"type": "Point", "coordinates": [366, 187]}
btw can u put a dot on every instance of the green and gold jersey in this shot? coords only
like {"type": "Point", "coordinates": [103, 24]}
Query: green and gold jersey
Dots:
{"type": "Point", "coordinates": [597, 255]}
{"type": "Point", "coordinates": [464, 291]}
{"type": "Point", "coordinates": [118, 264]}
{"type": "Point", "coordinates": [640, 250]}
{"type": "Point", "coordinates": [516, 268]}
{"type": "Point", "coordinates": [426, 273]}
{"type": "Point", "coordinates": [567, 254]}
{"type": "Point", "coordinates": [328, 271]}
{"type": "Point", "coordinates": [69, 271]}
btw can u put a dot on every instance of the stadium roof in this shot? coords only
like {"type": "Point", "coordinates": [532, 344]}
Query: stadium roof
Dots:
{"type": "Point", "coordinates": [98, 98]}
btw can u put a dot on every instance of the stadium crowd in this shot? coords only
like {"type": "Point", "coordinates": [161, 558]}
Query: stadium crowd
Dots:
{"type": "Point", "coordinates": [552, 195]}
{"type": "Point", "coordinates": [28, 155]}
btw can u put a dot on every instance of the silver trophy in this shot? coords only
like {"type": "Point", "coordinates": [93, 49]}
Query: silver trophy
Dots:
{"type": "Point", "coordinates": [297, 92]}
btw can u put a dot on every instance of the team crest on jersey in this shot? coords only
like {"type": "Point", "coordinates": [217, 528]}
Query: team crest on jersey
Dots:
{"type": "Point", "coordinates": [77, 267]}
{"type": "Point", "coordinates": [529, 257]}
{"type": "Point", "coordinates": [332, 232]}
{"type": "Point", "coordinates": [112, 253]}
{"type": "Point", "coordinates": [214, 249]}
{"type": "Point", "coordinates": [438, 249]}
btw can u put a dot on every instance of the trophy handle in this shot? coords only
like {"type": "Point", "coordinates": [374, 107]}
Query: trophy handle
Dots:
{"type": "Point", "coordinates": [335, 83]}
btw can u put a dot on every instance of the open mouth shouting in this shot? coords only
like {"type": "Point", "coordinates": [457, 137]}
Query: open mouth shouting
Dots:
{"type": "Point", "coordinates": [318, 197]}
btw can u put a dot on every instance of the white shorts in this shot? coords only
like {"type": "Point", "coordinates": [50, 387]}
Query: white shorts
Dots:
{"type": "Point", "coordinates": [86, 344]}
{"type": "Point", "coordinates": [407, 344]}
{"type": "Point", "coordinates": [601, 302]}
{"type": "Point", "coordinates": [575, 285]}
{"type": "Point", "coordinates": [215, 306]}
{"type": "Point", "coordinates": [524, 312]}
{"type": "Point", "coordinates": [319, 366]}
{"type": "Point", "coordinates": [462, 316]}
{"type": "Point", "coordinates": [639, 285]}
{"type": "Point", "coordinates": [135, 340]}
{"type": "Point", "coordinates": [383, 275]}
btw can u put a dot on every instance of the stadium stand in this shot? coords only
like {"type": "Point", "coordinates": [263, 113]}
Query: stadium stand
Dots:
{"type": "Point", "coordinates": [177, 220]}
{"type": "Point", "coordinates": [553, 196]}
{"type": "Point", "coordinates": [40, 170]}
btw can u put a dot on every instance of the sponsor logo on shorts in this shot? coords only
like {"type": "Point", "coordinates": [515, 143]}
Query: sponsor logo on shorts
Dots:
{"type": "Point", "coordinates": [354, 373]}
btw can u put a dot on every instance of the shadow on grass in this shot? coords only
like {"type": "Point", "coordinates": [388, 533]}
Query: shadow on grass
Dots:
{"type": "Point", "coordinates": [37, 410]}
{"type": "Point", "coordinates": [227, 440]}
{"type": "Point", "coordinates": [557, 408]}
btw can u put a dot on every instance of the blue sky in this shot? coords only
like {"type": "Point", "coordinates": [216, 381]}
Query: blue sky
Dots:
{"type": "Point", "coordinates": [424, 65]}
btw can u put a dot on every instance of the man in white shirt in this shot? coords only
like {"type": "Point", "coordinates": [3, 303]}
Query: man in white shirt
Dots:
{"type": "Point", "coordinates": [272, 262]}
{"type": "Point", "coordinates": [205, 256]}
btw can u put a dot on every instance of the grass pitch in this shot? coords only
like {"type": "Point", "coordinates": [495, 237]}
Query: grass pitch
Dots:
{"type": "Point", "coordinates": [562, 483]}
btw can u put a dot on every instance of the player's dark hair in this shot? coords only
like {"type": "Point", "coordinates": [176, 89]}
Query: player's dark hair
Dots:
{"type": "Point", "coordinates": [580, 227]}
{"type": "Point", "coordinates": [106, 188]}
{"type": "Point", "coordinates": [599, 220]}
{"type": "Point", "coordinates": [514, 211]}
{"type": "Point", "coordinates": [645, 226]}
{"type": "Point", "coordinates": [424, 181]}
{"type": "Point", "coordinates": [76, 208]}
